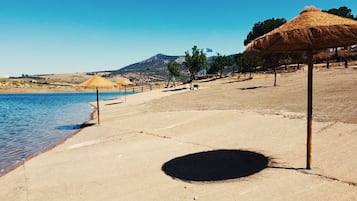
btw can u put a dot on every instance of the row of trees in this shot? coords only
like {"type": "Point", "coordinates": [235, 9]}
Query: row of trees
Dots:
{"type": "Point", "coordinates": [247, 62]}
{"type": "Point", "coordinates": [261, 28]}
{"type": "Point", "coordinates": [198, 61]}
{"type": "Point", "coordinates": [342, 11]}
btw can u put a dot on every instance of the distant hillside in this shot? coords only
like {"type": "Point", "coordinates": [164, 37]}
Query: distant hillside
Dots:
{"type": "Point", "coordinates": [158, 62]}
{"type": "Point", "coordinates": [155, 68]}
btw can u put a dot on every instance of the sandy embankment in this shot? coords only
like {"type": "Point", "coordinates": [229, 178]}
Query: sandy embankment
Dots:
{"type": "Point", "coordinates": [122, 158]}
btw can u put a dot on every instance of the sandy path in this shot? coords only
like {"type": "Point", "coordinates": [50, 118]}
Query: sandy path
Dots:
{"type": "Point", "coordinates": [122, 158]}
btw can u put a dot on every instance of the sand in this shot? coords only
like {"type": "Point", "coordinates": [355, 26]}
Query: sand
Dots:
{"type": "Point", "coordinates": [123, 158]}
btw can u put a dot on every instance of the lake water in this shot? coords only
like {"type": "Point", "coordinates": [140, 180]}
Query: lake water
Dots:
{"type": "Point", "coordinates": [31, 123]}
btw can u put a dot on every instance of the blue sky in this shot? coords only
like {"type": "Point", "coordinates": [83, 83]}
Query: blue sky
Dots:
{"type": "Point", "coordinates": [69, 36]}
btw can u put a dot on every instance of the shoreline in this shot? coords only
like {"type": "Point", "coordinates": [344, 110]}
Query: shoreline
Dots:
{"type": "Point", "coordinates": [46, 90]}
{"type": "Point", "coordinates": [83, 125]}
{"type": "Point", "coordinates": [7, 170]}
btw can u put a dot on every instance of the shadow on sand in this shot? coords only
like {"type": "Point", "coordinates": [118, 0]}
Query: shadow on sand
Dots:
{"type": "Point", "coordinates": [250, 88]}
{"type": "Point", "coordinates": [217, 165]}
{"type": "Point", "coordinates": [239, 80]}
{"type": "Point", "coordinates": [116, 103]}
{"type": "Point", "coordinates": [74, 126]}
{"type": "Point", "coordinates": [175, 89]}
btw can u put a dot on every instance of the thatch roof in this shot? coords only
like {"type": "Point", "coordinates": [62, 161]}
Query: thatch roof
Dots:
{"type": "Point", "coordinates": [312, 29]}
{"type": "Point", "coordinates": [97, 81]}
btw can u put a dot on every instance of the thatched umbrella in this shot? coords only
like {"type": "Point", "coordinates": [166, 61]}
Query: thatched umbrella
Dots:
{"type": "Point", "coordinates": [124, 82]}
{"type": "Point", "coordinates": [311, 30]}
{"type": "Point", "coordinates": [97, 82]}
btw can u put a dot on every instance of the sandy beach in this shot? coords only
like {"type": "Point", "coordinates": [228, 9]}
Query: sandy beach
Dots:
{"type": "Point", "coordinates": [136, 153]}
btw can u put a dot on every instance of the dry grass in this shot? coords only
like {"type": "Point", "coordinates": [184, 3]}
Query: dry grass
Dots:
{"type": "Point", "coordinates": [335, 97]}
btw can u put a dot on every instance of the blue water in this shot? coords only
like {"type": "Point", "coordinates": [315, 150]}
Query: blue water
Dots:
{"type": "Point", "coordinates": [31, 123]}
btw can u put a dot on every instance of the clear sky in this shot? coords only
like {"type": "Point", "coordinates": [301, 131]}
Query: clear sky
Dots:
{"type": "Point", "coordinates": [69, 36]}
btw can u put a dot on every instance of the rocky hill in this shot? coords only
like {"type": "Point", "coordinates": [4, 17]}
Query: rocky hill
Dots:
{"type": "Point", "coordinates": [158, 62]}
{"type": "Point", "coordinates": [153, 68]}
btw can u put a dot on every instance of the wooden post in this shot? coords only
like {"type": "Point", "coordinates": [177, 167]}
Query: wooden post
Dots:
{"type": "Point", "coordinates": [309, 110]}
{"type": "Point", "coordinates": [98, 106]}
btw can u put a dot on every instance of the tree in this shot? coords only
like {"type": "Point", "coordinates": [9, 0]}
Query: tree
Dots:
{"type": "Point", "coordinates": [258, 30]}
{"type": "Point", "coordinates": [196, 62]}
{"type": "Point", "coordinates": [261, 28]}
{"type": "Point", "coordinates": [286, 60]}
{"type": "Point", "coordinates": [283, 60]}
{"type": "Point", "coordinates": [219, 63]}
{"type": "Point", "coordinates": [247, 62]}
{"type": "Point", "coordinates": [297, 58]}
{"type": "Point", "coordinates": [174, 71]}
{"type": "Point", "coordinates": [342, 11]}
{"type": "Point", "coordinates": [346, 12]}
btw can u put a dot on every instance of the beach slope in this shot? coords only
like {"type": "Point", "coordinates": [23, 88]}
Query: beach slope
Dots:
{"type": "Point", "coordinates": [137, 151]}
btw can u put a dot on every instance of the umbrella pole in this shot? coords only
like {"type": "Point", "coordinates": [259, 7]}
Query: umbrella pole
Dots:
{"type": "Point", "coordinates": [309, 110]}
{"type": "Point", "coordinates": [125, 92]}
{"type": "Point", "coordinates": [98, 106]}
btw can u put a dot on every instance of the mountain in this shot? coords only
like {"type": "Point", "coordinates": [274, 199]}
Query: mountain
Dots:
{"type": "Point", "coordinates": [156, 63]}
{"type": "Point", "coordinates": [155, 68]}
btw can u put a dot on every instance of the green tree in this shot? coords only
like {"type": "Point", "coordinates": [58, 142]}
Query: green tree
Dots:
{"type": "Point", "coordinates": [297, 58]}
{"type": "Point", "coordinates": [342, 11]}
{"type": "Point", "coordinates": [346, 12]}
{"type": "Point", "coordinates": [174, 72]}
{"type": "Point", "coordinates": [195, 62]}
{"type": "Point", "coordinates": [286, 60]}
{"type": "Point", "coordinates": [261, 28]}
{"type": "Point", "coordinates": [219, 63]}
{"type": "Point", "coordinates": [247, 62]}
{"type": "Point", "coordinates": [258, 30]}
